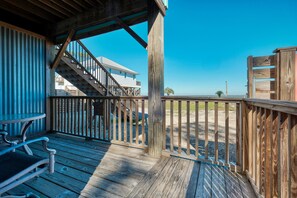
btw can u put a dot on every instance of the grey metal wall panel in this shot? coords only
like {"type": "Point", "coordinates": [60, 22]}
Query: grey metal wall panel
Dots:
{"type": "Point", "coordinates": [22, 76]}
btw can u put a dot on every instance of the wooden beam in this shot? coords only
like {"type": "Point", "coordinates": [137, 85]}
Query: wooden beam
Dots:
{"type": "Point", "coordinates": [131, 32]}
{"type": "Point", "coordinates": [161, 6]}
{"type": "Point", "coordinates": [155, 78]}
{"type": "Point", "coordinates": [96, 16]}
{"type": "Point", "coordinates": [62, 49]}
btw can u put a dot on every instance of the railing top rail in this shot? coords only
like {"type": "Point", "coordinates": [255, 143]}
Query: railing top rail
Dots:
{"type": "Point", "coordinates": [276, 105]}
{"type": "Point", "coordinates": [103, 97]}
{"type": "Point", "coordinates": [175, 98]}
{"type": "Point", "coordinates": [197, 98]}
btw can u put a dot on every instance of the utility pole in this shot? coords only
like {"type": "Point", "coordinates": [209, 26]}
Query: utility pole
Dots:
{"type": "Point", "coordinates": [226, 88]}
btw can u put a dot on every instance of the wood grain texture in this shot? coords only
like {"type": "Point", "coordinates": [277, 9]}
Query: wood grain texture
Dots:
{"type": "Point", "coordinates": [216, 131]}
{"type": "Point", "coordinates": [206, 131]}
{"type": "Point", "coordinates": [155, 78]}
{"type": "Point", "coordinates": [284, 157]}
{"type": "Point", "coordinates": [227, 134]}
{"type": "Point", "coordinates": [197, 129]}
{"type": "Point", "coordinates": [188, 127]}
{"type": "Point", "coordinates": [287, 74]}
{"type": "Point", "coordinates": [268, 154]}
{"type": "Point", "coordinates": [250, 77]}
{"type": "Point", "coordinates": [264, 60]}
{"type": "Point", "coordinates": [293, 165]}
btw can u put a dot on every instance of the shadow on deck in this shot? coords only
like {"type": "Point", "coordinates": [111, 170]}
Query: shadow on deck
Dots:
{"type": "Point", "coordinates": [95, 169]}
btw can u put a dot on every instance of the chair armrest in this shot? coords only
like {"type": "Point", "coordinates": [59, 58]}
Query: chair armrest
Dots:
{"type": "Point", "coordinates": [44, 140]}
{"type": "Point", "coordinates": [4, 134]}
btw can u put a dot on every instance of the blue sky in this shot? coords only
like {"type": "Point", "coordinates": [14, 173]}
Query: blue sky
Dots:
{"type": "Point", "coordinates": [207, 42]}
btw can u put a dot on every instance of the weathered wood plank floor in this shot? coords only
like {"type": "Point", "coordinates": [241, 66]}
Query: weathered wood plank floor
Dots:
{"type": "Point", "coordinates": [93, 169]}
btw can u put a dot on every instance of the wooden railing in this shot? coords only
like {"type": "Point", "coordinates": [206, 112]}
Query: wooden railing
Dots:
{"type": "Point", "coordinates": [272, 147]}
{"type": "Point", "coordinates": [121, 120]}
{"type": "Point", "coordinates": [205, 129]}
{"type": "Point", "coordinates": [84, 58]}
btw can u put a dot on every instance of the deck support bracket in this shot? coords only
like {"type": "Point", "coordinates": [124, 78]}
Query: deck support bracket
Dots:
{"type": "Point", "coordinates": [62, 49]}
{"type": "Point", "coordinates": [131, 32]}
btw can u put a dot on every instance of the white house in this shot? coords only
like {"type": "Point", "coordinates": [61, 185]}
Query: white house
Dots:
{"type": "Point", "coordinates": [124, 76]}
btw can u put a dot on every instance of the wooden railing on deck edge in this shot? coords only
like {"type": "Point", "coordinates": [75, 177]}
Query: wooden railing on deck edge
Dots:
{"type": "Point", "coordinates": [272, 147]}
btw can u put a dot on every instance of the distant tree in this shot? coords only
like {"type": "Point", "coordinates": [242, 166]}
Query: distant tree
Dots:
{"type": "Point", "coordinates": [219, 93]}
{"type": "Point", "coordinates": [168, 91]}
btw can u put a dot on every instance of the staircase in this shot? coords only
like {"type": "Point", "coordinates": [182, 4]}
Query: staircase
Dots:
{"type": "Point", "coordinates": [83, 70]}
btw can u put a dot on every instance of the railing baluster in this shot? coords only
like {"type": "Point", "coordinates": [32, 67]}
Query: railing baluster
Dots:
{"type": "Point", "coordinates": [268, 172]}
{"type": "Point", "coordinates": [227, 134]}
{"type": "Point", "coordinates": [83, 117]}
{"type": "Point", "coordinates": [105, 114]}
{"type": "Point", "coordinates": [87, 118]}
{"type": "Point", "coordinates": [216, 132]}
{"type": "Point", "coordinates": [108, 118]}
{"type": "Point", "coordinates": [75, 116]}
{"type": "Point", "coordinates": [119, 120]}
{"type": "Point", "coordinates": [254, 139]}
{"type": "Point", "coordinates": [188, 128]}
{"type": "Point", "coordinates": [237, 133]}
{"type": "Point", "coordinates": [65, 118]}
{"type": "Point", "coordinates": [125, 121]}
{"type": "Point", "coordinates": [262, 150]}
{"type": "Point", "coordinates": [179, 127]}
{"type": "Point", "coordinates": [171, 124]}
{"type": "Point", "coordinates": [197, 128]}
{"type": "Point", "coordinates": [142, 123]}
{"type": "Point", "coordinates": [275, 152]}
{"type": "Point", "coordinates": [137, 122]}
{"type": "Point", "coordinates": [114, 119]}
{"type": "Point", "coordinates": [164, 123]}
{"type": "Point", "coordinates": [59, 114]}
{"type": "Point", "coordinates": [131, 122]}
{"type": "Point", "coordinates": [284, 156]}
{"type": "Point", "coordinates": [206, 131]}
{"type": "Point", "coordinates": [292, 156]}
{"type": "Point", "coordinates": [258, 140]}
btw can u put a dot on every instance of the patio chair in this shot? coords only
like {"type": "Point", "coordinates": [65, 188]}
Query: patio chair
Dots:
{"type": "Point", "coordinates": [17, 166]}
{"type": "Point", "coordinates": [4, 142]}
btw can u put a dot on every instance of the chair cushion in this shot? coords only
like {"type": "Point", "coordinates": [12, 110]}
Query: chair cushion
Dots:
{"type": "Point", "coordinates": [14, 162]}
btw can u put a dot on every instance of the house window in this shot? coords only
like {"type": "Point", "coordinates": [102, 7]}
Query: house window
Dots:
{"type": "Point", "coordinates": [109, 70]}
{"type": "Point", "coordinates": [134, 76]}
{"type": "Point", "coordinates": [125, 75]}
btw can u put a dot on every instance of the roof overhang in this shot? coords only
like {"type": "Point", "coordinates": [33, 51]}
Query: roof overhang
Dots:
{"type": "Point", "coordinates": [55, 18]}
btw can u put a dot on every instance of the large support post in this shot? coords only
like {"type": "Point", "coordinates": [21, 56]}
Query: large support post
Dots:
{"type": "Point", "coordinates": [155, 78]}
{"type": "Point", "coordinates": [50, 82]}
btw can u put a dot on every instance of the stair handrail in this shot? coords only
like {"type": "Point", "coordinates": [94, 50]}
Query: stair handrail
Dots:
{"type": "Point", "coordinates": [102, 67]}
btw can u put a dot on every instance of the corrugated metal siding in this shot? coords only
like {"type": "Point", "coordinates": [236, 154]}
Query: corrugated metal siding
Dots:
{"type": "Point", "coordinates": [22, 73]}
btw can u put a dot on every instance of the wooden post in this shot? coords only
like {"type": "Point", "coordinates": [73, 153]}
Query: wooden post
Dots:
{"type": "Point", "coordinates": [50, 81]}
{"type": "Point", "coordinates": [250, 77]}
{"type": "Point", "coordinates": [155, 78]}
{"type": "Point", "coordinates": [286, 73]}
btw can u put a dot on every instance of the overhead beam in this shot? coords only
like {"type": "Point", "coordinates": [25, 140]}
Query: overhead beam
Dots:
{"type": "Point", "coordinates": [161, 6]}
{"type": "Point", "coordinates": [62, 49]}
{"type": "Point", "coordinates": [131, 32]}
{"type": "Point", "coordinates": [95, 16]}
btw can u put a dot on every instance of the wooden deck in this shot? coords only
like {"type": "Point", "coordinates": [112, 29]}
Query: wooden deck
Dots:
{"type": "Point", "coordinates": [94, 169]}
